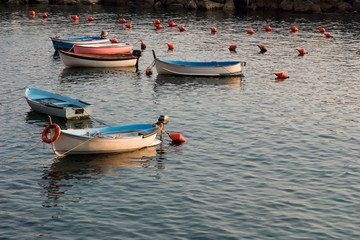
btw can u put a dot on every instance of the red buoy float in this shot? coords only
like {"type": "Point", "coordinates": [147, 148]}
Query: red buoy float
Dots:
{"type": "Point", "coordinates": [90, 19]}
{"type": "Point", "coordinates": [250, 31]}
{"type": "Point", "coordinates": [149, 71]}
{"type": "Point", "coordinates": [171, 46]}
{"type": "Point", "coordinates": [47, 131]}
{"type": "Point", "coordinates": [181, 28]}
{"type": "Point", "coordinates": [213, 30]}
{"type": "Point", "coordinates": [128, 25]}
{"type": "Point", "coordinates": [232, 48]}
{"type": "Point", "coordinates": [32, 13]}
{"type": "Point", "coordinates": [123, 20]}
{"type": "Point", "coordinates": [114, 40]}
{"type": "Point", "coordinates": [281, 75]}
{"type": "Point", "coordinates": [294, 29]}
{"type": "Point", "coordinates": [301, 51]}
{"type": "Point", "coordinates": [268, 28]}
{"type": "Point", "coordinates": [262, 48]}
{"type": "Point", "coordinates": [172, 24]}
{"type": "Point", "coordinates": [322, 30]}
{"type": "Point", "coordinates": [177, 138]}
{"type": "Point", "coordinates": [44, 15]}
{"type": "Point", "coordinates": [157, 21]}
{"type": "Point", "coordinates": [158, 26]}
{"type": "Point", "coordinates": [328, 35]}
{"type": "Point", "coordinates": [143, 45]}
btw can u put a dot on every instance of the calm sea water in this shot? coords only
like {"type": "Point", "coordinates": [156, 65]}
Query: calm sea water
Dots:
{"type": "Point", "coordinates": [264, 159]}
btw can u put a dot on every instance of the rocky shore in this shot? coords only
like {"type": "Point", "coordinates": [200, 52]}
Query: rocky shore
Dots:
{"type": "Point", "coordinates": [304, 6]}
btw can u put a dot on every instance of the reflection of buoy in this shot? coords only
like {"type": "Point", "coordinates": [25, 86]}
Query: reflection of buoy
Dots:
{"type": "Point", "coordinates": [301, 51]}
{"type": "Point", "coordinates": [170, 46]}
{"type": "Point", "coordinates": [90, 19]}
{"type": "Point", "coordinates": [123, 20]}
{"type": "Point", "coordinates": [262, 48]}
{"type": "Point", "coordinates": [114, 40]}
{"type": "Point", "coordinates": [250, 31]}
{"type": "Point", "coordinates": [177, 138]}
{"type": "Point", "coordinates": [328, 35]}
{"type": "Point", "coordinates": [32, 13]}
{"type": "Point", "coordinates": [143, 45]}
{"type": "Point", "coordinates": [322, 30]}
{"type": "Point", "coordinates": [172, 24]}
{"type": "Point", "coordinates": [181, 28]}
{"type": "Point", "coordinates": [213, 30]}
{"type": "Point", "coordinates": [268, 28]}
{"type": "Point", "coordinates": [128, 25]}
{"type": "Point", "coordinates": [232, 48]}
{"type": "Point", "coordinates": [294, 29]}
{"type": "Point", "coordinates": [149, 71]}
{"type": "Point", "coordinates": [281, 75]}
{"type": "Point", "coordinates": [159, 26]}
{"type": "Point", "coordinates": [44, 15]}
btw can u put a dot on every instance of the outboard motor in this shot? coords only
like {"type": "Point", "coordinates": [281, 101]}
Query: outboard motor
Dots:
{"type": "Point", "coordinates": [104, 34]}
{"type": "Point", "coordinates": [163, 119]}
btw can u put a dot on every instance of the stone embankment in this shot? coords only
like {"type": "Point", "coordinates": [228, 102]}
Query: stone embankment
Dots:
{"type": "Point", "coordinates": [307, 6]}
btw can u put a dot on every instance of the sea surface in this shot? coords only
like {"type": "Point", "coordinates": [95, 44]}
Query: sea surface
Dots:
{"type": "Point", "coordinates": [264, 158]}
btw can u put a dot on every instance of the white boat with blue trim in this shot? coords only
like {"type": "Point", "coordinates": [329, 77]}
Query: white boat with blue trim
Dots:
{"type": "Point", "coordinates": [56, 104]}
{"type": "Point", "coordinates": [210, 69]}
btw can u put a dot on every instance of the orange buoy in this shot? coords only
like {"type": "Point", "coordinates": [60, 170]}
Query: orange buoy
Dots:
{"type": "Point", "coordinates": [90, 19]}
{"type": "Point", "coordinates": [232, 48]}
{"type": "Point", "coordinates": [281, 75]}
{"type": "Point", "coordinates": [268, 28]}
{"type": "Point", "coordinates": [213, 30]}
{"type": "Point", "coordinates": [177, 138]}
{"type": "Point", "coordinates": [301, 51]}
{"type": "Point", "coordinates": [44, 15]}
{"type": "Point", "coordinates": [75, 17]}
{"type": "Point", "coordinates": [328, 35]}
{"type": "Point", "coordinates": [250, 31]}
{"type": "Point", "coordinates": [159, 26]}
{"type": "Point", "coordinates": [149, 71]}
{"type": "Point", "coordinates": [181, 28]}
{"type": "Point", "coordinates": [171, 46]}
{"type": "Point", "coordinates": [322, 30]}
{"type": "Point", "coordinates": [157, 21]}
{"type": "Point", "coordinates": [32, 13]}
{"type": "Point", "coordinates": [114, 40]}
{"type": "Point", "coordinates": [123, 20]}
{"type": "Point", "coordinates": [172, 24]}
{"type": "Point", "coordinates": [294, 29]}
{"type": "Point", "coordinates": [128, 25]}
{"type": "Point", "coordinates": [262, 48]}
{"type": "Point", "coordinates": [143, 45]}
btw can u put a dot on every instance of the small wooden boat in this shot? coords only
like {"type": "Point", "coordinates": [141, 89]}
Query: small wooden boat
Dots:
{"type": "Point", "coordinates": [57, 105]}
{"type": "Point", "coordinates": [108, 48]}
{"type": "Point", "coordinates": [227, 68]}
{"type": "Point", "coordinates": [67, 44]}
{"type": "Point", "coordinates": [114, 139]}
{"type": "Point", "coordinates": [71, 59]}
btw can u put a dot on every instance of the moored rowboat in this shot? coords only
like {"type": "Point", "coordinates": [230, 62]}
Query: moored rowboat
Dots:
{"type": "Point", "coordinates": [71, 59]}
{"type": "Point", "coordinates": [67, 44]}
{"type": "Point", "coordinates": [110, 48]}
{"type": "Point", "coordinates": [57, 105]}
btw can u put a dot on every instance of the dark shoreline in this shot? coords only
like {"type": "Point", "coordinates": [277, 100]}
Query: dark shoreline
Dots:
{"type": "Point", "coordinates": [297, 6]}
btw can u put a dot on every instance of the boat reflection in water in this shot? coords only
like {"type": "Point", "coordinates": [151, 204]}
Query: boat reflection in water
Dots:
{"type": "Point", "coordinates": [62, 173]}
{"type": "Point", "coordinates": [190, 80]}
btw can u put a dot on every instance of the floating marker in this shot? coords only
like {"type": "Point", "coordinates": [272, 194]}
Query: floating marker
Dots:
{"type": "Point", "coordinates": [114, 40]}
{"type": "Point", "coordinates": [123, 20]}
{"type": "Point", "coordinates": [32, 13]}
{"type": "Point", "coordinates": [177, 138]}
{"type": "Point", "coordinates": [328, 35]}
{"type": "Point", "coordinates": [157, 21]}
{"type": "Point", "coordinates": [159, 26]}
{"type": "Point", "coordinates": [44, 15]}
{"type": "Point", "coordinates": [128, 25]}
{"type": "Point", "coordinates": [250, 31]}
{"type": "Point", "coordinates": [262, 48]}
{"type": "Point", "coordinates": [170, 46]}
{"type": "Point", "coordinates": [281, 75]}
{"type": "Point", "coordinates": [213, 30]}
{"type": "Point", "coordinates": [172, 24]}
{"type": "Point", "coordinates": [268, 28]}
{"type": "Point", "coordinates": [322, 30]}
{"type": "Point", "coordinates": [181, 28]}
{"type": "Point", "coordinates": [294, 29]}
{"type": "Point", "coordinates": [143, 45]}
{"type": "Point", "coordinates": [232, 48]}
{"type": "Point", "coordinates": [149, 71]}
{"type": "Point", "coordinates": [75, 17]}
{"type": "Point", "coordinates": [301, 51]}
{"type": "Point", "coordinates": [90, 19]}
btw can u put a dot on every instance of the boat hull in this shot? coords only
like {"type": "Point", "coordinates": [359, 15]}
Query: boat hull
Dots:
{"type": "Point", "coordinates": [97, 61]}
{"type": "Point", "coordinates": [57, 105]}
{"type": "Point", "coordinates": [106, 140]}
{"type": "Point", "coordinates": [67, 44]}
{"type": "Point", "coordinates": [198, 68]}
{"type": "Point", "coordinates": [111, 48]}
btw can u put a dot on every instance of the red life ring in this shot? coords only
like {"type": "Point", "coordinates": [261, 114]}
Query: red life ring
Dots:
{"type": "Point", "coordinates": [46, 131]}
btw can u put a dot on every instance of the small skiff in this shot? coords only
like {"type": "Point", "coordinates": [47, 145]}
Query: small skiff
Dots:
{"type": "Point", "coordinates": [71, 59]}
{"type": "Point", "coordinates": [67, 44]}
{"type": "Point", "coordinates": [57, 105]}
{"type": "Point", "coordinates": [108, 48]}
{"type": "Point", "coordinates": [114, 139]}
{"type": "Point", "coordinates": [185, 68]}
